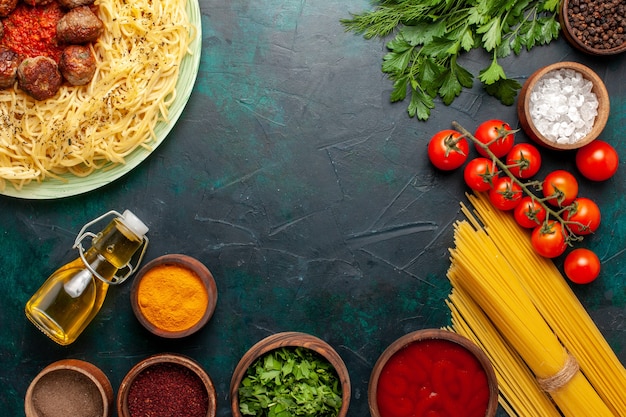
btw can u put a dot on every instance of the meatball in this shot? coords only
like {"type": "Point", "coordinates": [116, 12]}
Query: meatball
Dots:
{"type": "Point", "coordinates": [9, 61]}
{"type": "Point", "coordinates": [39, 77]}
{"type": "Point", "coordinates": [70, 4]}
{"type": "Point", "coordinates": [79, 25]}
{"type": "Point", "coordinates": [7, 6]}
{"type": "Point", "coordinates": [37, 2]}
{"type": "Point", "coordinates": [77, 64]}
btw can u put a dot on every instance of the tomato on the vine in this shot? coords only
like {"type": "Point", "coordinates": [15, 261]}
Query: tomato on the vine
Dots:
{"type": "Point", "coordinates": [448, 149]}
{"type": "Point", "coordinates": [497, 135]}
{"type": "Point", "coordinates": [560, 188]}
{"type": "Point", "coordinates": [524, 160]}
{"type": "Point", "coordinates": [549, 239]}
{"type": "Point", "coordinates": [529, 213]}
{"type": "Point", "coordinates": [597, 161]}
{"type": "Point", "coordinates": [586, 215]}
{"type": "Point", "coordinates": [581, 266]}
{"type": "Point", "coordinates": [479, 173]}
{"type": "Point", "coordinates": [505, 193]}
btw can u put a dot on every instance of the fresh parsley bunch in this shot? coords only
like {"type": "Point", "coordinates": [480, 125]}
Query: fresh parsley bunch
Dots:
{"type": "Point", "coordinates": [431, 34]}
{"type": "Point", "coordinates": [290, 382]}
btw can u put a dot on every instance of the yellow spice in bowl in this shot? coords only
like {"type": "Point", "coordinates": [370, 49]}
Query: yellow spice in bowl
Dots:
{"type": "Point", "coordinates": [172, 297]}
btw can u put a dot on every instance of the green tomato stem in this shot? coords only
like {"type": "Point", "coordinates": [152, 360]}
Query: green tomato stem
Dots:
{"type": "Point", "coordinates": [525, 186]}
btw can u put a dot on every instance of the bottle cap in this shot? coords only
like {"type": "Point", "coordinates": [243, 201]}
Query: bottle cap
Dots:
{"type": "Point", "coordinates": [134, 223]}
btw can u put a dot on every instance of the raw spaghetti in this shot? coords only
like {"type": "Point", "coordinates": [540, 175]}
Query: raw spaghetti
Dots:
{"type": "Point", "coordinates": [82, 129]}
{"type": "Point", "coordinates": [494, 267]}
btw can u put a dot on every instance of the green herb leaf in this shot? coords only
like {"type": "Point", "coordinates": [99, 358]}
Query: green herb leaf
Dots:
{"type": "Point", "coordinates": [492, 73]}
{"type": "Point", "coordinates": [290, 382]}
{"type": "Point", "coordinates": [504, 90]}
{"type": "Point", "coordinates": [420, 105]}
{"type": "Point", "coordinates": [431, 35]}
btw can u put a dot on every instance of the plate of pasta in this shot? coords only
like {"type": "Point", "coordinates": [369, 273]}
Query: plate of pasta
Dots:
{"type": "Point", "coordinates": [88, 136]}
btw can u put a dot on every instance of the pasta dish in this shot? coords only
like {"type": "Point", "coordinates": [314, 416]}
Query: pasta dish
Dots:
{"type": "Point", "coordinates": [84, 128]}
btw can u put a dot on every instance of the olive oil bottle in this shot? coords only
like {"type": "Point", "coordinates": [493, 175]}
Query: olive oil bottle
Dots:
{"type": "Point", "coordinates": [72, 296]}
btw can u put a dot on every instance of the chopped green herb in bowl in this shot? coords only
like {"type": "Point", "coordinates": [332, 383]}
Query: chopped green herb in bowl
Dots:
{"type": "Point", "coordinates": [290, 374]}
{"type": "Point", "coordinates": [290, 382]}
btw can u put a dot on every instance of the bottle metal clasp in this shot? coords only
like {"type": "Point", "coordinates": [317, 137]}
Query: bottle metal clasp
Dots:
{"type": "Point", "coordinates": [130, 268]}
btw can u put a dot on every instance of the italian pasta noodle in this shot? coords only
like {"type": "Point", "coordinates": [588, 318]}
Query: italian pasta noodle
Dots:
{"type": "Point", "coordinates": [520, 394]}
{"type": "Point", "coordinates": [481, 269]}
{"type": "Point", "coordinates": [84, 128]}
{"type": "Point", "coordinates": [557, 303]}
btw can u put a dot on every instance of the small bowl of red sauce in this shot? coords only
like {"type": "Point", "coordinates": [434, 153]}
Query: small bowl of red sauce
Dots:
{"type": "Point", "coordinates": [433, 372]}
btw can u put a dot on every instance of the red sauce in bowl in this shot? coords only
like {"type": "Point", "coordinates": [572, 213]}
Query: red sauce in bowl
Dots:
{"type": "Point", "coordinates": [433, 378]}
{"type": "Point", "coordinates": [31, 31]}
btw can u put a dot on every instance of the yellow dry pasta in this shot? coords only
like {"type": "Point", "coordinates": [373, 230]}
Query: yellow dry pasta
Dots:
{"type": "Point", "coordinates": [557, 303]}
{"type": "Point", "coordinates": [520, 394]}
{"type": "Point", "coordinates": [481, 269]}
{"type": "Point", "coordinates": [83, 128]}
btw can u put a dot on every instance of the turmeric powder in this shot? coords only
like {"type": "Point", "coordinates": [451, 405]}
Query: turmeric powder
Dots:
{"type": "Point", "coordinates": [172, 297]}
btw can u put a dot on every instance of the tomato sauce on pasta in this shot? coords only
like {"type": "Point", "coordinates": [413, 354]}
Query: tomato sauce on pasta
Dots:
{"type": "Point", "coordinates": [31, 31]}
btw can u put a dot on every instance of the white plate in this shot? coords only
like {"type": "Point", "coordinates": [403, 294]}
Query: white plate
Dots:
{"type": "Point", "coordinates": [53, 188]}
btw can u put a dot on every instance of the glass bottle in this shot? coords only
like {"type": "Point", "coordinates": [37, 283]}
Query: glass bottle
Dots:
{"type": "Point", "coordinates": [72, 296]}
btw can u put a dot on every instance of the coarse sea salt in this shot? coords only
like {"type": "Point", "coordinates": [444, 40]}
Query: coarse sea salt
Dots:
{"type": "Point", "coordinates": [562, 106]}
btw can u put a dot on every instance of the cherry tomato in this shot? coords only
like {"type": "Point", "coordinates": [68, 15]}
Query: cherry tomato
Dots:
{"type": "Point", "coordinates": [448, 150]}
{"type": "Point", "coordinates": [581, 266]}
{"type": "Point", "coordinates": [497, 134]}
{"type": "Point", "coordinates": [529, 213]}
{"type": "Point", "coordinates": [597, 161]}
{"type": "Point", "coordinates": [505, 194]}
{"type": "Point", "coordinates": [586, 212]}
{"type": "Point", "coordinates": [549, 239]}
{"type": "Point", "coordinates": [560, 187]}
{"type": "Point", "coordinates": [526, 160]}
{"type": "Point", "coordinates": [479, 174]}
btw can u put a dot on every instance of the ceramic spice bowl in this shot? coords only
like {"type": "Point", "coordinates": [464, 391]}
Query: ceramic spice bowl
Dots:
{"type": "Point", "coordinates": [167, 384]}
{"type": "Point", "coordinates": [433, 370]}
{"type": "Point", "coordinates": [69, 387]}
{"type": "Point", "coordinates": [290, 340]}
{"type": "Point", "coordinates": [595, 27]}
{"type": "Point", "coordinates": [174, 296]}
{"type": "Point", "coordinates": [563, 106]}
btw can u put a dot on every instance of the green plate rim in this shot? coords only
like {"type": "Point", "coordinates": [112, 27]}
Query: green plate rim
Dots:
{"type": "Point", "coordinates": [52, 188]}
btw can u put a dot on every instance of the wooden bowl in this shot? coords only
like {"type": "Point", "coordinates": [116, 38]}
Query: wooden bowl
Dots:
{"type": "Point", "coordinates": [598, 88]}
{"type": "Point", "coordinates": [571, 35]}
{"type": "Point", "coordinates": [446, 338]}
{"type": "Point", "coordinates": [290, 339]}
{"type": "Point", "coordinates": [168, 359]}
{"type": "Point", "coordinates": [71, 386]}
{"type": "Point", "coordinates": [145, 307]}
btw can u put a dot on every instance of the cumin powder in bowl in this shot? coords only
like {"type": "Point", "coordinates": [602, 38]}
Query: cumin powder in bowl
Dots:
{"type": "Point", "coordinates": [69, 387]}
{"type": "Point", "coordinates": [174, 296]}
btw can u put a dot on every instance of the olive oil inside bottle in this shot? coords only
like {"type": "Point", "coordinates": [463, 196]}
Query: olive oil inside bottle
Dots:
{"type": "Point", "coordinates": [69, 300]}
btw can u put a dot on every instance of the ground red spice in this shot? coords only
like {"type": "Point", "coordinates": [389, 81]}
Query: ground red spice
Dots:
{"type": "Point", "coordinates": [31, 31]}
{"type": "Point", "coordinates": [167, 390]}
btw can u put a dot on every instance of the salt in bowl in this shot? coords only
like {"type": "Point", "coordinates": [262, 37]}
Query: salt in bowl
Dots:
{"type": "Point", "coordinates": [565, 108]}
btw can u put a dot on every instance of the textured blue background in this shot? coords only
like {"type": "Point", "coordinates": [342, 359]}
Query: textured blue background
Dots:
{"type": "Point", "coordinates": [307, 194]}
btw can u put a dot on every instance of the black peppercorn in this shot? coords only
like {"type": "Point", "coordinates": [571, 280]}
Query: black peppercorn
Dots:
{"type": "Point", "coordinates": [599, 24]}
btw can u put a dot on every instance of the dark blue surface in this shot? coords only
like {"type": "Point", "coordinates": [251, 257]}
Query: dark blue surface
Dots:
{"type": "Point", "coordinates": [306, 193]}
